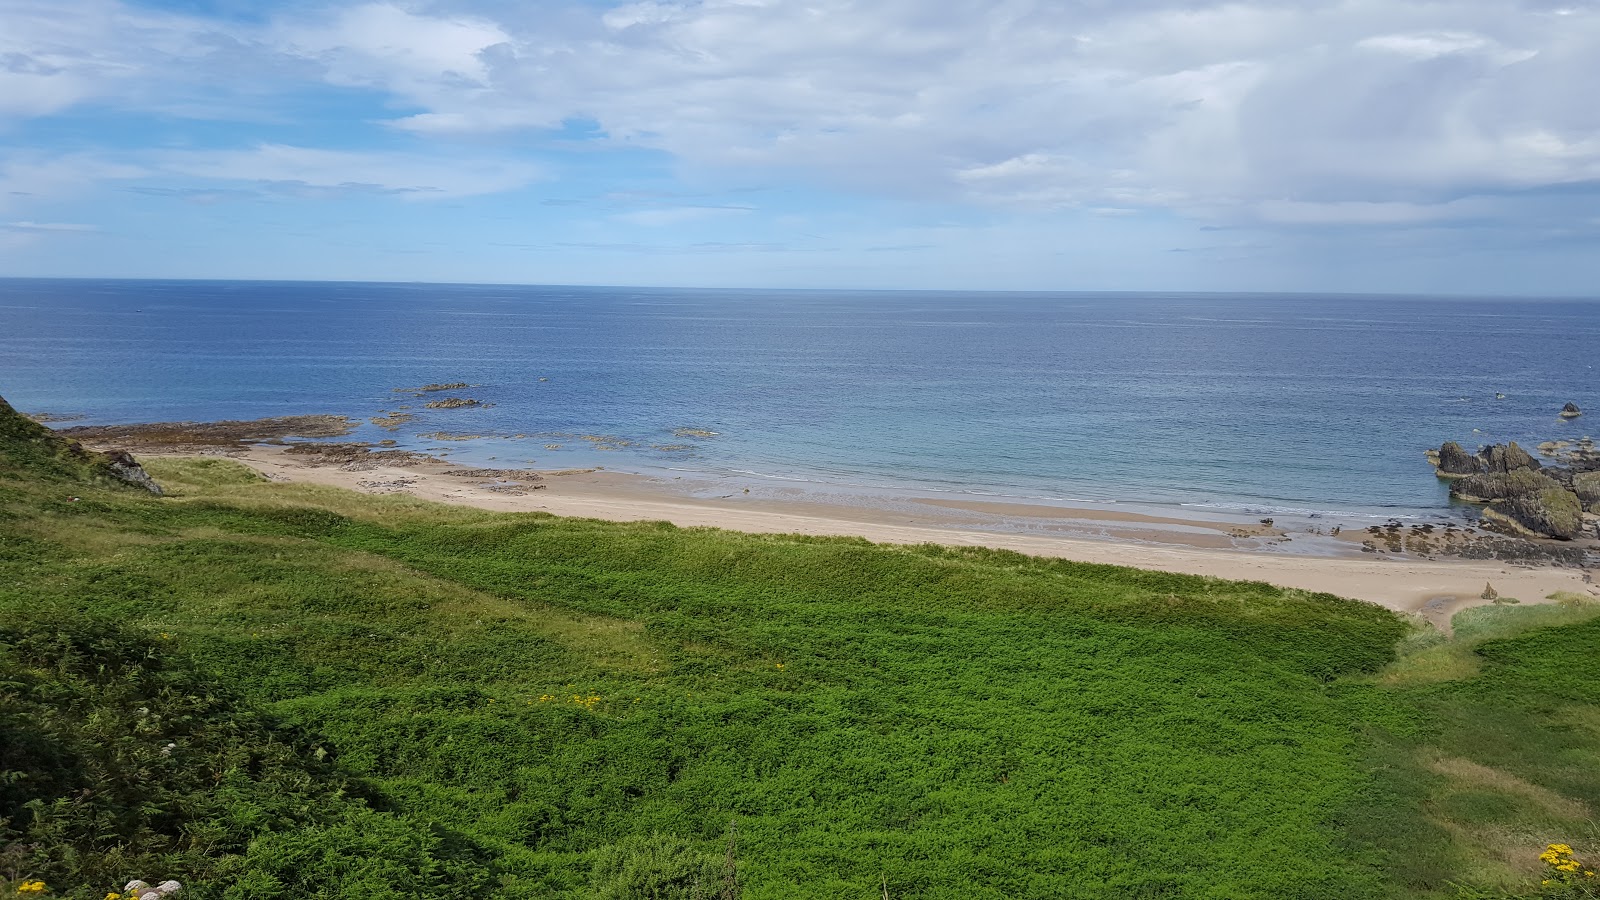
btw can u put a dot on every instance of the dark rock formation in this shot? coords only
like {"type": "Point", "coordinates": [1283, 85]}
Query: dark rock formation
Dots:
{"type": "Point", "coordinates": [1571, 411]}
{"type": "Point", "coordinates": [454, 403]}
{"type": "Point", "coordinates": [1455, 462]}
{"type": "Point", "coordinates": [1523, 496]}
{"type": "Point", "coordinates": [1451, 461]}
{"type": "Point", "coordinates": [1492, 486]}
{"type": "Point", "coordinates": [1510, 458]}
{"type": "Point", "coordinates": [121, 464]}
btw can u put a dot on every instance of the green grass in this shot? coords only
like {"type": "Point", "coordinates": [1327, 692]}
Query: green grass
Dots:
{"type": "Point", "coordinates": [495, 697]}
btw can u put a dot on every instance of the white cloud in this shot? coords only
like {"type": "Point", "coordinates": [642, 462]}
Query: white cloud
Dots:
{"type": "Point", "coordinates": [55, 54]}
{"type": "Point", "coordinates": [29, 178]}
{"type": "Point", "coordinates": [1212, 108]}
{"type": "Point", "coordinates": [678, 215]}
{"type": "Point", "coordinates": [310, 171]}
{"type": "Point", "coordinates": [48, 227]}
{"type": "Point", "coordinates": [1333, 109]}
{"type": "Point", "coordinates": [435, 59]}
{"type": "Point", "coordinates": [1357, 212]}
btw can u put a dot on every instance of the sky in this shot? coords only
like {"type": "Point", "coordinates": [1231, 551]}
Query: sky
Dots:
{"type": "Point", "coordinates": [1145, 145]}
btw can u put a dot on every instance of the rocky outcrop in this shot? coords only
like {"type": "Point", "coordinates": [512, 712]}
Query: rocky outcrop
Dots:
{"type": "Point", "coordinates": [1522, 495]}
{"type": "Point", "coordinates": [122, 465]}
{"type": "Point", "coordinates": [1509, 458]}
{"type": "Point", "coordinates": [1489, 487]}
{"type": "Point", "coordinates": [1453, 461]}
{"type": "Point", "coordinates": [1553, 512]}
{"type": "Point", "coordinates": [35, 451]}
{"type": "Point", "coordinates": [1571, 411]}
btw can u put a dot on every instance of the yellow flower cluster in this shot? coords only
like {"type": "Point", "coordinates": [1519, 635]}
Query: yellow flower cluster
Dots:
{"type": "Point", "coordinates": [1559, 857]}
{"type": "Point", "coordinates": [587, 702]}
{"type": "Point", "coordinates": [31, 887]}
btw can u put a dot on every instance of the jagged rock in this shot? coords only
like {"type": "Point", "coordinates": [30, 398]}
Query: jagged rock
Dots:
{"type": "Point", "coordinates": [121, 464]}
{"type": "Point", "coordinates": [1456, 462]}
{"type": "Point", "coordinates": [1554, 512]}
{"type": "Point", "coordinates": [1518, 458]}
{"type": "Point", "coordinates": [454, 403]}
{"type": "Point", "coordinates": [1489, 593]}
{"type": "Point", "coordinates": [1507, 458]}
{"type": "Point", "coordinates": [1571, 411]}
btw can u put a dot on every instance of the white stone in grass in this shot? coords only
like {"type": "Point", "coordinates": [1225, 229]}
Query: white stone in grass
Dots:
{"type": "Point", "coordinates": [135, 886]}
{"type": "Point", "coordinates": [168, 888]}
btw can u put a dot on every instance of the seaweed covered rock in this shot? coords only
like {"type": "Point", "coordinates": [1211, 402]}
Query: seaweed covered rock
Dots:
{"type": "Point", "coordinates": [1586, 486]}
{"type": "Point", "coordinates": [1553, 512]}
{"type": "Point", "coordinates": [1488, 487]}
{"type": "Point", "coordinates": [33, 449]}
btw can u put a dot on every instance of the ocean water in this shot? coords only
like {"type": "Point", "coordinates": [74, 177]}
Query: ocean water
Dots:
{"type": "Point", "coordinates": [1255, 403]}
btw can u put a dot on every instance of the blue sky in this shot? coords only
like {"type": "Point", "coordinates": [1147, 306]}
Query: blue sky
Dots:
{"type": "Point", "coordinates": [1366, 145]}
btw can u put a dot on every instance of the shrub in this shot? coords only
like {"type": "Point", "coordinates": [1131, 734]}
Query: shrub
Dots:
{"type": "Point", "coordinates": [655, 867]}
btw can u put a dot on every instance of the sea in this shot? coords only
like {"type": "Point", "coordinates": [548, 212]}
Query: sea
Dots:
{"type": "Point", "coordinates": [1266, 404]}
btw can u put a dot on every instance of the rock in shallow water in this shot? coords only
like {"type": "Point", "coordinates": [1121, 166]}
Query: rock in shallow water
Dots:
{"type": "Point", "coordinates": [1455, 462]}
{"type": "Point", "coordinates": [1522, 496]}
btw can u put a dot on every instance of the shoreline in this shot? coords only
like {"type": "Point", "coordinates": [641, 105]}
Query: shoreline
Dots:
{"type": "Point", "coordinates": [1433, 589]}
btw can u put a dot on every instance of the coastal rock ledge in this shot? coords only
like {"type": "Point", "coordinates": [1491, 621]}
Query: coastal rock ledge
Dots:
{"type": "Point", "coordinates": [1521, 495]}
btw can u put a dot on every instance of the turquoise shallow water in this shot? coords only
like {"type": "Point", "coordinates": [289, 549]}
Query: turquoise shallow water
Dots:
{"type": "Point", "coordinates": [1232, 402]}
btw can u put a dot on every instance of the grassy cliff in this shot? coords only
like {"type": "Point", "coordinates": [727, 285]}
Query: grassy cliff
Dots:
{"type": "Point", "coordinates": [372, 696]}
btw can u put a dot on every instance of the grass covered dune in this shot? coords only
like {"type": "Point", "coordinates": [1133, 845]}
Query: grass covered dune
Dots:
{"type": "Point", "coordinates": [271, 690]}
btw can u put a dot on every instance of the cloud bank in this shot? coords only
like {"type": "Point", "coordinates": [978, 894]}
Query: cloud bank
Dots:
{"type": "Point", "coordinates": [1326, 114]}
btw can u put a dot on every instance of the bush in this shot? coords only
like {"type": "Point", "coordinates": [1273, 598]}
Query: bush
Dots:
{"type": "Point", "coordinates": [655, 867]}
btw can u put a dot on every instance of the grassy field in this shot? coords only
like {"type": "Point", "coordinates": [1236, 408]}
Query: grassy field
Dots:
{"type": "Point", "coordinates": [376, 697]}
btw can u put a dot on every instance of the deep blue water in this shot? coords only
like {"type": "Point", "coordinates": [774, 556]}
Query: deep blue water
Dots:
{"type": "Point", "coordinates": [1269, 402]}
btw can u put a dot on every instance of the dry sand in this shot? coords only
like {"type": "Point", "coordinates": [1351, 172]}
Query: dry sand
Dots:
{"type": "Point", "coordinates": [1433, 589]}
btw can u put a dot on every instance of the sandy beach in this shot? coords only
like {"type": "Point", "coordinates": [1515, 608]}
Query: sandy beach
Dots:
{"type": "Point", "coordinates": [1433, 589]}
